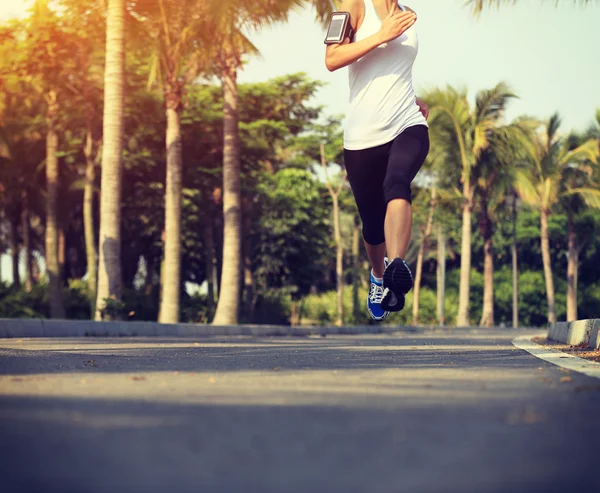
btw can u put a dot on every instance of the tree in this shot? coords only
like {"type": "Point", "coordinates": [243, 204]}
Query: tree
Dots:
{"type": "Point", "coordinates": [233, 19]}
{"type": "Point", "coordinates": [86, 21]}
{"type": "Point", "coordinates": [546, 181]}
{"type": "Point", "coordinates": [180, 56]}
{"type": "Point", "coordinates": [426, 234]}
{"type": "Point", "coordinates": [48, 64]}
{"type": "Point", "coordinates": [467, 131]}
{"type": "Point", "coordinates": [339, 246]}
{"type": "Point", "coordinates": [109, 264]}
{"type": "Point", "coordinates": [494, 179]}
{"type": "Point", "coordinates": [292, 208]}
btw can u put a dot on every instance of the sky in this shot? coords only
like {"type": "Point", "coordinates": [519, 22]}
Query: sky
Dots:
{"type": "Point", "coordinates": [549, 56]}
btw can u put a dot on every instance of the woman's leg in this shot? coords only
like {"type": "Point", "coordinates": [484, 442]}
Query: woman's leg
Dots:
{"type": "Point", "coordinates": [398, 227]}
{"type": "Point", "coordinates": [366, 172]}
{"type": "Point", "coordinates": [376, 254]}
{"type": "Point", "coordinates": [407, 155]}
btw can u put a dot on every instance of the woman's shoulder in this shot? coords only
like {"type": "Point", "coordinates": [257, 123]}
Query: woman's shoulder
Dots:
{"type": "Point", "coordinates": [348, 5]}
{"type": "Point", "coordinates": [355, 7]}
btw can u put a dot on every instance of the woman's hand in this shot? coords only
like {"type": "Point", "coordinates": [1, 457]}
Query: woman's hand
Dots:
{"type": "Point", "coordinates": [395, 24]}
{"type": "Point", "coordinates": [424, 108]}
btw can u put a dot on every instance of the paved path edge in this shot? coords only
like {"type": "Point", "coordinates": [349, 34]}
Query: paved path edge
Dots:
{"type": "Point", "coordinates": [556, 357]}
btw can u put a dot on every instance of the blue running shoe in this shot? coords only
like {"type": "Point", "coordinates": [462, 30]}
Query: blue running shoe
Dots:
{"type": "Point", "coordinates": [374, 299]}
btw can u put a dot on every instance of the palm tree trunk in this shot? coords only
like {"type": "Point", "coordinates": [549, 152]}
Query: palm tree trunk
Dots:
{"type": "Point", "coordinates": [247, 246]}
{"type": "Point", "coordinates": [209, 261]}
{"type": "Point", "coordinates": [14, 249]}
{"type": "Point", "coordinates": [149, 281]}
{"type": "Point", "coordinates": [576, 278]}
{"type": "Point", "coordinates": [25, 226]}
{"type": "Point", "coordinates": [109, 264]}
{"type": "Point", "coordinates": [62, 256]}
{"type": "Point", "coordinates": [36, 271]}
{"type": "Point", "coordinates": [462, 318]}
{"type": "Point", "coordinates": [355, 267]}
{"type": "Point", "coordinates": [441, 277]}
{"type": "Point", "coordinates": [339, 257]}
{"type": "Point", "coordinates": [229, 298]}
{"type": "Point", "coordinates": [422, 250]}
{"type": "Point", "coordinates": [547, 266]}
{"type": "Point", "coordinates": [52, 263]}
{"type": "Point", "coordinates": [572, 273]}
{"type": "Point", "coordinates": [515, 271]}
{"type": "Point", "coordinates": [169, 306]}
{"type": "Point", "coordinates": [88, 218]}
{"type": "Point", "coordinates": [339, 261]}
{"type": "Point", "coordinates": [485, 226]}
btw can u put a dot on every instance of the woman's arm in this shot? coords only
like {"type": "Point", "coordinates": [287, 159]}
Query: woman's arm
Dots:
{"type": "Point", "coordinates": [345, 53]}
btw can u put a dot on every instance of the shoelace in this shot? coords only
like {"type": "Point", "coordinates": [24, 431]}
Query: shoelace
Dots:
{"type": "Point", "coordinates": [376, 293]}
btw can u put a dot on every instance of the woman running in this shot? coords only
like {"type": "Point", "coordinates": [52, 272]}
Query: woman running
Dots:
{"type": "Point", "coordinates": [386, 138]}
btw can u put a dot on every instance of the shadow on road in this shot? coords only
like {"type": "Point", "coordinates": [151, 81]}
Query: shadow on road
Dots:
{"type": "Point", "coordinates": [185, 355]}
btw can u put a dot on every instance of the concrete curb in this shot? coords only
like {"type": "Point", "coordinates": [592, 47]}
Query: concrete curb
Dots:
{"type": "Point", "coordinates": [586, 332]}
{"type": "Point", "coordinates": [558, 358]}
{"type": "Point", "coordinates": [18, 328]}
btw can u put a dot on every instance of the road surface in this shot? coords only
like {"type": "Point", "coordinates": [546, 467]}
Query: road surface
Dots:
{"type": "Point", "coordinates": [431, 412]}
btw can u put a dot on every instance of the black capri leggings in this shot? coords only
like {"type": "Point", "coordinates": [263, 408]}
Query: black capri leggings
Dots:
{"type": "Point", "coordinates": [383, 173]}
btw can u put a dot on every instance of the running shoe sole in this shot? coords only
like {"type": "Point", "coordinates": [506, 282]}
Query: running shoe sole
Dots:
{"type": "Point", "coordinates": [397, 281]}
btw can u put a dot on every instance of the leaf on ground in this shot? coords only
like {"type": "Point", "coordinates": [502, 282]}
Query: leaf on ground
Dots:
{"type": "Point", "coordinates": [276, 369]}
{"type": "Point", "coordinates": [528, 415]}
{"type": "Point", "coordinates": [211, 380]}
{"type": "Point", "coordinates": [138, 378]}
{"type": "Point", "coordinates": [565, 379]}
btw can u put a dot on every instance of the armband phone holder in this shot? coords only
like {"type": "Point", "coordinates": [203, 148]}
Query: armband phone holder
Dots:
{"type": "Point", "coordinates": [339, 28]}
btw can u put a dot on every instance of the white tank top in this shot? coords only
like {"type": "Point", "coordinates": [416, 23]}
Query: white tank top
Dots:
{"type": "Point", "coordinates": [382, 98]}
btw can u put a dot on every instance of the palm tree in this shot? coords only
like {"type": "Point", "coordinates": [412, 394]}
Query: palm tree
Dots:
{"type": "Point", "coordinates": [479, 5]}
{"type": "Point", "coordinates": [339, 246]}
{"type": "Point", "coordinates": [550, 178]}
{"type": "Point", "coordinates": [579, 190]}
{"type": "Point", "coordinates": [109, 264]}
{"type": "Point", "coordinates": [181, 54]}
{"type": "Point", "coordinates": [423, 247]}
{"type": "Point", "coordinates": [494, 179]}
{"type": "Point", "coordinates": [593, 131]}
{"type": "Point", "coordinates": [466, 134]}
{"type": "Point", "coordinates": [233, 17]}
{"type": "Point", "coordinates": [48, 42]}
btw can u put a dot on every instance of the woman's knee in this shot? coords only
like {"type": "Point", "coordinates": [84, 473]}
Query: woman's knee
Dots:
{"type": "Point", "coordinates": [373, 235]}
{"type": "Point", "coordinates": [396, 189]}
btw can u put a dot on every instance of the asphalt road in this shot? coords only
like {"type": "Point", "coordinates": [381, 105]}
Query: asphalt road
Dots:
{"type": "Point", "coordinates": [433, 412]}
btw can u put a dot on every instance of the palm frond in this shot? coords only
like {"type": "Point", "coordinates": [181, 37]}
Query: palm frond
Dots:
{"type": "Point", "coordinates": [526, 188]}
{"type": "Point", "coordinates": [491, 103]}
{"type": "Point", "coordinates": [588, 151]}
{"type": "Point", "coordinates": [590, 196]}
